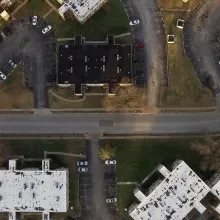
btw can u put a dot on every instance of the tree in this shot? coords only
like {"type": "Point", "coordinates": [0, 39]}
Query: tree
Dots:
{"type": "Point", "coordinates": [107, 152]}
{"type": "Point", "coordinates": [210, 150]}
{"type": "Point", "coordinates": [126, 97]}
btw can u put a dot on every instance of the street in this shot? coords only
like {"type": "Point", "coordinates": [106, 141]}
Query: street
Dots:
{"type": "Point", "coordinates": [110, 123]}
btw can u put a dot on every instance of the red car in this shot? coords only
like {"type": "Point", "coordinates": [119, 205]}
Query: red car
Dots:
{"type": "Point", "coordinates": [140, 45]}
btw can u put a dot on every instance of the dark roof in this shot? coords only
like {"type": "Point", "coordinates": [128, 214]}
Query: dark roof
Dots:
{"type": "Point", "coordinates": [93, 62]}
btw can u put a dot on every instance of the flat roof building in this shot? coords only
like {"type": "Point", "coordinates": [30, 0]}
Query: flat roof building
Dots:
{"type": "Point", "coordinates": [171, 198]}
{"type": "Point", "coordinates": [81, 9]}
{"type": "Point", "coordinates": [33, 190]}
{"type": "Point", "coordinates": [94, 63]}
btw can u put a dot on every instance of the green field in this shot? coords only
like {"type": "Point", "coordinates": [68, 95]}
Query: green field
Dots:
{"type": "Point", "coordinates": [137, 158]}
{"type": "Point", "coordinates": [35, 149]}
{"type": "Point", "coordinates": [110, 19]}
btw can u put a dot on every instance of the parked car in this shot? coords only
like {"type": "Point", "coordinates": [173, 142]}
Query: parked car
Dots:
{"type": "Point", "coordinates": [7, 31]}
{"type": "Point", "coordinates": [110, 162]}
{"type": "Point", "coordinates": [34, 20]}
{"type": "Point", "coordinates": [3, 35]}
{"type": "Point", "coordinates": [1, 39]}
{"type": "Point", "coordinates": [82, 169]}
{"type": "Point", "coordinates": [12, 63]}
{"type": "Point", "coordinates": [46, 29]}
{"type": "Point", "coordinates": [135, 22]}
{"type": "Point", "coordinates": [111, 200]}
{"type": "Point", "coordinates": [3, 76]}
{"type": "Point", "coordinates": [82, 163]}
{"type": "Point", "coordinates": [139, 45]}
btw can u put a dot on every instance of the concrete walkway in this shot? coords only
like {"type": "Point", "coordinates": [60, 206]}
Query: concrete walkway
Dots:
{"type": "Point", "coordinates": [46, 153]}
{"type": "Point", "coordinates": [52, 9]}
{"type": "Point", "coordinates": [17, 9]}
{"type": "Point", "coordinates": [128, 183]}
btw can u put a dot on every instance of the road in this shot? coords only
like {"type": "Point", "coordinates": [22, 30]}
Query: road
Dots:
{"type": "Point", "coordinates": [82, 123]}
{"type": "Point", "coordinates": [151, 32]}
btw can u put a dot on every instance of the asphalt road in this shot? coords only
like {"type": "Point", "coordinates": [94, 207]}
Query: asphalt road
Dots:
{"type": "Point", "coordinates": [109, 123]}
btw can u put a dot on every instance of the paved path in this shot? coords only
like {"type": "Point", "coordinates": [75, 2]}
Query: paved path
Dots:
{"type": "Point", "coordinates": [48, 12]}
{"type": "Point", "coordinates": [81, 123]}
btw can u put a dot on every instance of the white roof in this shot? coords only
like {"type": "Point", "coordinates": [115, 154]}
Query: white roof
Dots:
{"type": "Point", "coordinates": [33, 190]}
{"type": "Point", "coordinates": [174, 197]}
{"type": "Point", "coordinates": [81, 8]}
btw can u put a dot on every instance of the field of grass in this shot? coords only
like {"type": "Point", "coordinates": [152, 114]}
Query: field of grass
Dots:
{"type": "Point", "coordinates": [36, 148]}
{"type": "Point", "coordinates": [93, 101]}
{"type": "Point", "coordinates": [110, 19]}
{"type": "Point", "coordinates": [178, 4]}
{"type": "Point", "coordinates": [13, 93]}
{"type": "Point", "coordinates": [137, 158]}
{"type": "Point", "coordinates": [33, 7]}
{"type": "Point", "coordinates": [185, 89]}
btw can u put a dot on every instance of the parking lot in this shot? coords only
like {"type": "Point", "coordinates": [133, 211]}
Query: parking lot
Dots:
{"type": "Point", "coordinates": [153, 58]}
{"type": "Point", "coordinates": [201, 43]}
{"type": "Point", "coordinates": [101, 175]}
{"type": "Point", "coordinates": [25, 42]}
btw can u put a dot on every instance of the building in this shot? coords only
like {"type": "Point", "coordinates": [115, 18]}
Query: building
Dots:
{"type": "Point", "coordinates": [81, 9]}
{"type": "Point", "coordinates": [33, 190]}
{"type": "Point", "coordinates": [172, 197]}
{"type": "Point", "coordinates": [4, 5]}
{"type": "Point", "coordinates": [84, 63]}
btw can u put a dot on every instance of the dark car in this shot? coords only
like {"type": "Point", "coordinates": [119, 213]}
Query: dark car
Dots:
{"type": "Point", "coordinates": [7, 31]}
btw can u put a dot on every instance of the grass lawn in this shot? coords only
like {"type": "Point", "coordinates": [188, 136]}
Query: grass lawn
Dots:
{"type": "Point", "coordinates": [177, 4]}
{"type": "Point", "coordinates": [33, 7]}
{"type": "Point", "coordinates": [110, 19]}
{"type": "Point", "coordinates": [185, 89]}
{"type": "Point", "coordinates": [13, 93]}
{"type": "Point", "coordinates": [137, 158]}
{"type": "Point", "coordinates": [36, 148]}
{"type": "Point", "coordinates": [93, 101]}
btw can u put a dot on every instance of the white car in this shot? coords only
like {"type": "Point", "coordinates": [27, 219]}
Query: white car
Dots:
{"type": "Point", "coordinates": [82, 163]}
{"type": "Point", "coordinates": [110, 162]}
{"type": "Point", "coordinates": [12, 63]}
{"type": "Point", "coordinates": [3, 76]}
{"type": "Point", "coordinates": [46, 29]}
{"type": "Point", "coordinates": [111, 200]}
{"type": "Point", "coordinates": [82, 169]}
{"type": "Point", "coordinates": [34, 20]}
{"type": "Point", "coordinates": [135, 22]}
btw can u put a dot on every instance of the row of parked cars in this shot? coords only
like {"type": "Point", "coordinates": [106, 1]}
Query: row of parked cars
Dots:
{"type": "Point", "coordinates": [82, 164]}
{"type": "Point", "coordinates": [35, 21]}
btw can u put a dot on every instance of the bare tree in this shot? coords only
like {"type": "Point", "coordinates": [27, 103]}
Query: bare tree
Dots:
{"type": "Point", "coordinates": [210, 150]}
{"type": "Point", "coordinates": [125, 80]}
{"type": "Point", "coordinates": [126, 97]}
{"type": "Point", "coordinates": [107, 152]}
